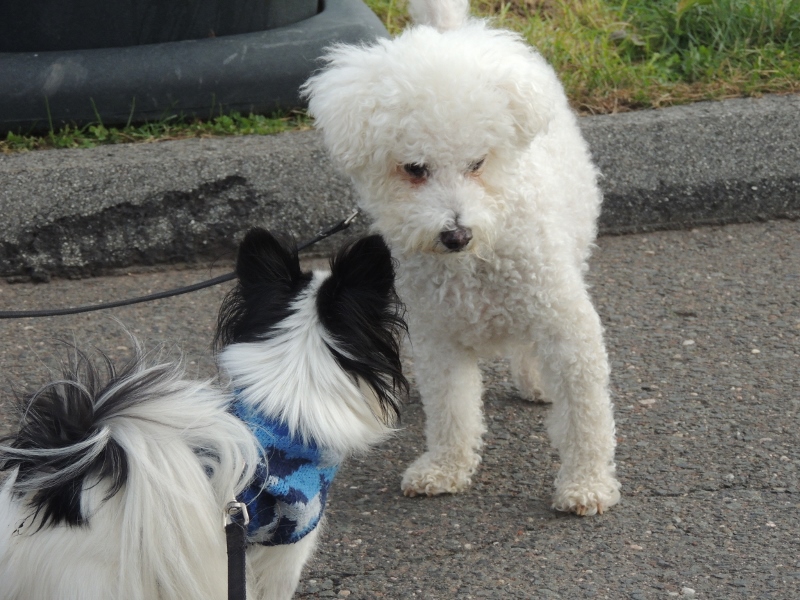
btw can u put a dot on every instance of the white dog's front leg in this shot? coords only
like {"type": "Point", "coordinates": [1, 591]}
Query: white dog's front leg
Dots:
{"type": "Point", "coordinates": [450, 384]}
{"type": "Point", "coordinates": [574, 371]}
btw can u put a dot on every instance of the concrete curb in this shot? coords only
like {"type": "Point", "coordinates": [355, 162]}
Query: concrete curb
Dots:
{"type": "Point", "coordinates": [705, 163]}
{"type": "Point", "coordinates": [81, 212]}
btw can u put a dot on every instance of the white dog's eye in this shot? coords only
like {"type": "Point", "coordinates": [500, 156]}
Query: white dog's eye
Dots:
{"type": "Point", "coordinates": [416, 171]}
{"type": "Point", "coordinates": [476, 166]}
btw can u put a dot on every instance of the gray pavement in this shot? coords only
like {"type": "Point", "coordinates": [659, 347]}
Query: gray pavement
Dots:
{"type": "Point", "coordinates": [703, 332]}
{"type": "Point", "coordinates": [79, 212]}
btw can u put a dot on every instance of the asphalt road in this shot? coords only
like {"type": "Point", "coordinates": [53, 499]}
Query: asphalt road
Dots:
{"type": "Point", "coordinates": [703, 331]}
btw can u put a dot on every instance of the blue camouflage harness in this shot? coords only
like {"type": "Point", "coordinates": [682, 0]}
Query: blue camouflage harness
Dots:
{"type": "Point", "coordinates": [287, 495]}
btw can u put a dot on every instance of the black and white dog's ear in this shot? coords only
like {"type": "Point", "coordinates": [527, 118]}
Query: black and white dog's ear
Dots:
{"type": "Point", "coordinates": [270, 278]}
{"type": "Point", "coordinates": [267, 260]}
{"type": "Point", "coordinates": [359, 307]}
{"type": "Point", "coordinates": [365, 265]}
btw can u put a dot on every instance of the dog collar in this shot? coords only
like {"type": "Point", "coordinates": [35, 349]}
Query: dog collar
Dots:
{"type": "Point", "coordinates": [287, 495]}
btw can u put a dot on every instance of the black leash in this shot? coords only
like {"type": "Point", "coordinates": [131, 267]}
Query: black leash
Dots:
{"type": "Point", "coordinates": [56, 312]}
{"type": "Point", "coordinates": [236, 520]}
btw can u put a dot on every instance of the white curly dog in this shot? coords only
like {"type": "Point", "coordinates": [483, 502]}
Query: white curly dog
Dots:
{"type": "Point", "coordinates": [470, 163]}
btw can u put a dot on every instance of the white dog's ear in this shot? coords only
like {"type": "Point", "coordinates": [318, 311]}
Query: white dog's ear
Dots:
{"type": "Point", "coordinates": [529, 87]}
{"type": "Point", "coordinates": [342, 99]}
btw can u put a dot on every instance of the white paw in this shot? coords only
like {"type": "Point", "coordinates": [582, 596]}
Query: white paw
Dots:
{"type": "Point", "coordinates": [587, 497]}
{"type": "Point", "coordinates": [526, 381]}
{"type": "Point", "coordinates": [534, 395]}
{"type": "Point", "coordinates": [431, 476]}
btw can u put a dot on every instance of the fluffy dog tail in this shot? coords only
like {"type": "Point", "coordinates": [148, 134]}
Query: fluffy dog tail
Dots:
{"type": "Point", "coordinates": [441, 14]}
{"type": "Point", "coordinates": [142, 461]}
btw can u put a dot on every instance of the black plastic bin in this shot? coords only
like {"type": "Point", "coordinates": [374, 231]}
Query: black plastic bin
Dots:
{"type": "Point", "coordinates": [253, 71]}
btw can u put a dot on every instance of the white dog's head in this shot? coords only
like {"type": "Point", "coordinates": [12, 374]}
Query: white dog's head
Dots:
{"type": "Point", "coordinates": [429, 125]}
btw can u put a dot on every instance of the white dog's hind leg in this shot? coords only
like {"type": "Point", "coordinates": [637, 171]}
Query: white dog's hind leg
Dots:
{"type": "Point", "coordinates": [273, 572]}
{"type": "Point", "coordinates": [450, 384]}
{"type": "Point", "coordinates": [574, 371]}
{"type": "Point", "coordinates": [525, 374]}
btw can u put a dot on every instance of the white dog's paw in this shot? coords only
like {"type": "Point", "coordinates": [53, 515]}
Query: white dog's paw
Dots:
{"type": "Point", "coordinates": [431, 476]}
{"type": "Point", "coordinates": [532, 395]}
{"type": "Point", "coordinates": [526, 380]}
{"type": "Point", "coordinates": [588, 497]}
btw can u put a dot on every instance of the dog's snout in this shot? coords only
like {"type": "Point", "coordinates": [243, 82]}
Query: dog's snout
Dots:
{"type": "Point", "coordinates": [456, 239]}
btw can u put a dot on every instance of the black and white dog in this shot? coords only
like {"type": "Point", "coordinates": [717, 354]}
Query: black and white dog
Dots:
{"type": "Point", "coordinates": [117, 483]}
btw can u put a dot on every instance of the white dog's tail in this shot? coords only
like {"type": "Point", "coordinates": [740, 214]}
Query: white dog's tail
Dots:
{"type": "Point", "coordinates": [142, 462]}
{"type": "Point", "coordinates": [441, 14]}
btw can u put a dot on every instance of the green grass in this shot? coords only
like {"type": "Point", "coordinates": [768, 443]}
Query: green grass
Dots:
{"type": "Point", "coordinates": [628, 54]}
{"type": "Point", "coordinates": [612, 55]}
{"type": "Point", "coordinates": [168, 129]}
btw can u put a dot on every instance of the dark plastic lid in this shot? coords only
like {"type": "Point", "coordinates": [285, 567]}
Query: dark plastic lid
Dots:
{"type": "Point", "coordinates": [50, 25]}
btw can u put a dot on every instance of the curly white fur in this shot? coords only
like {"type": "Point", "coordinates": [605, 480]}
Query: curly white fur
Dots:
{"type": "Point", "coordinates": [469, 128]}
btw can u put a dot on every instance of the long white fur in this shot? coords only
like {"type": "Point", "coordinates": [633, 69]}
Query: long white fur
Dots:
{"type": "Point", "coordinates": [162, 527]}
{"type": "Point", "coordinates": [445, 96]}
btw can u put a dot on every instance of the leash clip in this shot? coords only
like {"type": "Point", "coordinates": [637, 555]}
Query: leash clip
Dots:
{"type": "Point", "coordinates": [236, 512]}
{"type": "Point", "coordinates": [350, 219]}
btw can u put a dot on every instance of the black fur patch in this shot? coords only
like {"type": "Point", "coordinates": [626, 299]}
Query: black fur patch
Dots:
{"type": "Point", "coordinates": [358, 305]}
{"type": "Point", "coordinates": [59, 416]}
{"type": "Point", "coordinates": [269, 280]}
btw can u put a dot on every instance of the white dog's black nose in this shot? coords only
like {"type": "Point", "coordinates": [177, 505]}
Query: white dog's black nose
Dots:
{"type": "Point", "coordinates": [457, 239]}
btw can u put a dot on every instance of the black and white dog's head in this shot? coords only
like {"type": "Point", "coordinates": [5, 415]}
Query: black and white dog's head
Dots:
{"type": "Point", "coordinates": [317, 350]}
